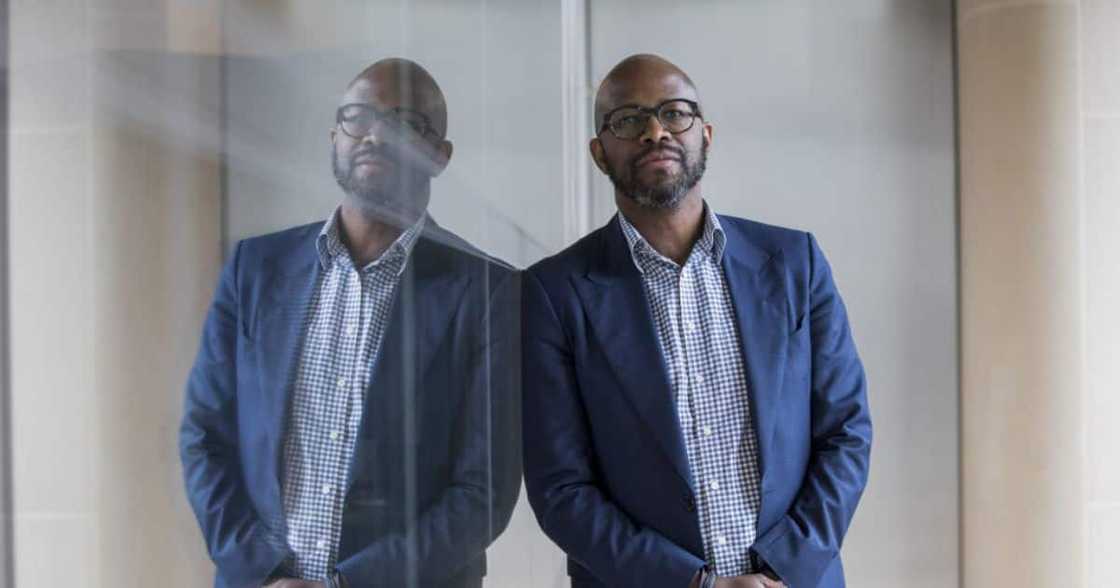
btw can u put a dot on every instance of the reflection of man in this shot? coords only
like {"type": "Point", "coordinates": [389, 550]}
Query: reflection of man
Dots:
{"type": "Point", "coordinates": [696, 414]}
{"type": "Point", "coordinates": [347, 419]}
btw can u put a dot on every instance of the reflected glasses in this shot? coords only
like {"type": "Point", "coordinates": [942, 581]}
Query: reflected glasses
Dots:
{"type": "Point", "coordinates": [357, 120]}
{"type": "Point", "coordinates": [629, 122]}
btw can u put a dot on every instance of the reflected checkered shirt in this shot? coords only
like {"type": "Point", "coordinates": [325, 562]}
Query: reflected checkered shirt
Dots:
{"type": "Point", "coordinates": [345, 323]}
{"type": "Point", "coordinates": [696, 325]}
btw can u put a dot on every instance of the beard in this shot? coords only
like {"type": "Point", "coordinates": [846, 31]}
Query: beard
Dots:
{"type": "Point", "coordinates": [664, 193]}
{"type": "Point", "coordinates": [378, 195]}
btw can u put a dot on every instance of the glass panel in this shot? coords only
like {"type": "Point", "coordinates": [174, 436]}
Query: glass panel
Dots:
{"type": "Point", "coordinates": [248, 342]}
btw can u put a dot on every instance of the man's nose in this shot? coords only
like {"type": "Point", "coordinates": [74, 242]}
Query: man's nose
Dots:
{"type": "Point", "coordinates": [654, 132]}
{"type": "Point", "coordinates": [381, 131]}
{"type": "Point", "coordinates": [374, 136]}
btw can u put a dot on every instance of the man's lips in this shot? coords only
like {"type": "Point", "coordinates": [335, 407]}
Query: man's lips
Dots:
{"type": "Point", "coordinates": [656, 157]}
{"type": "Point", "coordinates": [371, 158]}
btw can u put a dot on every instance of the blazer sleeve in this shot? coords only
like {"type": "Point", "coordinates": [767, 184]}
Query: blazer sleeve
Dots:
{"type": "Point", "coordinates": [800, 547]}
{"type": "Point", "coordinates": [560, 469]}
{"type": "Point", "coordinates": [486, 479]}
{"type": "Point", "coordinates": [241, 546]}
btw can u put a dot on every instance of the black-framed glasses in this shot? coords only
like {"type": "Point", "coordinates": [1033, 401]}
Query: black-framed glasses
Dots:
{"type": "Point", "coordinates": [357, 120]}
{"type": "Point", "coordinates": [628, 122]}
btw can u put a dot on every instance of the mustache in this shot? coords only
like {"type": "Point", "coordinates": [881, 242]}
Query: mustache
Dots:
{"type": "Point", "coordinates": [372, 152]}
{"type": "Point", "coordinates": [677, 151]}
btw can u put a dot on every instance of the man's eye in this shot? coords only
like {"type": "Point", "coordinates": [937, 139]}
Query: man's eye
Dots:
{"type": "Point", "coordinates": [406, 123]}
{"type": "Point", "coordinates": [358, 118]}
{"type": "Point", "coordinates": [673, 114]}
{"type": "Point", "coordinates": [629, 121]}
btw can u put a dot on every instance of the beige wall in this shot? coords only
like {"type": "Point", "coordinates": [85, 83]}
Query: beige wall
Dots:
{"type": "Point", "coordinates": [51, 366]}
{"type": "Point", "coordinates": [115, 246]}
{"type": "Point", "coordinates": [1100, 126]}
{"type": "Point", "coordinates": [1040, 101]}
{"type": "Point", "coordinates": [1021, 292]}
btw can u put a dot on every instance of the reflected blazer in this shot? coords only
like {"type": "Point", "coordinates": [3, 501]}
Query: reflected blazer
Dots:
{"type": "Point", "coordinates": [436, 468]}
{"type": "Point", "coordinates": [605, 465]}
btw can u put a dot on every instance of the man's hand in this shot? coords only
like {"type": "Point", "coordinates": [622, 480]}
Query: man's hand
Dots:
{"type": "Point", "coordinates": [294, 583]}
{"type": "Point", "coordinates": [749, 581]}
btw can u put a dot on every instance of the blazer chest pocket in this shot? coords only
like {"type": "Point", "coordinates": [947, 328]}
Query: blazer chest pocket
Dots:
{"type": "Point", "coordinates": [799, 354]}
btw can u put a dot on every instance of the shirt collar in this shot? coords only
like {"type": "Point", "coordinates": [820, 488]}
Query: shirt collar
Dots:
{"type": "Point", "coordinates": [329, 244]}
{"type": "Point", "coordinates": [712, 241]}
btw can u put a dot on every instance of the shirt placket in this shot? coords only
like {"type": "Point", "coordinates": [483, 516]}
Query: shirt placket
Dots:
{"type": "Point", "coordinates": [381, 285]}
{"type": "Point", "coordinates": [340, 436]}
{"type": "Point", "coordinates": [363, 341]}
{"type": "Point", "coordinates": [691, 392]}
{"type": "Point", "coordinates": [721, 487]}
{"type": "Point", "coordinates": [667, 283]}
{"type": "Point", "coordinates": [315, 409]}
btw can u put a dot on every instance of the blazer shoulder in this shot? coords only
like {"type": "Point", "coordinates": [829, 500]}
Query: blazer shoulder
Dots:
{"type": "Point", "coordinates": [457, 252]}
{"type": "Point", "coordinates": [792, 244]}
{"type": "Point", "coordinates": [762, 233]}
{"type": "Point", "coordinates": [279, 242]}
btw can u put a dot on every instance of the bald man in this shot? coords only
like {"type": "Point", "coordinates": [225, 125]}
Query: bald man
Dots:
{"type": "Point", "coordinates": [352, 416]}
{"type": "Point", "coordinates": [696, 414]}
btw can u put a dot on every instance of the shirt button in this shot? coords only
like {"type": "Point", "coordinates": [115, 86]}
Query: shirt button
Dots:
{"type": "Point", "coordinates": [327, 488]}
{"type": "Point", "coordinates": [351, 329]}
{"type": "Point", "coordinates": [321, 544]}
{"type": "Point", "coordinates": [336, 435]}
{"type": "Point", "coordinates": [721, 540]}
{"type": "Point", "coordinates": [707, 430]}
{"type": "Point", "coordinates": [714, 484]}
{"type": "Point", "coordinates": [690, 326]}
{"type": "Point", "coordinates": [342, 383]}
{"type": "Point", "coordinates": [698, 379]}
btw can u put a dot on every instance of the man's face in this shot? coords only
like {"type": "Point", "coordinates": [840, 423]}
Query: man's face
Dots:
{"type": "Point", "coordinates": [388, 145]}
{"type": "Point", "coordinates": [657, 168]}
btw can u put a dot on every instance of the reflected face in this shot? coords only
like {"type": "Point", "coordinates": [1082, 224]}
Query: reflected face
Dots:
{"type": "Point", "coordinates": [387, 143]}
{"type": "Point", "coordinates": [659, 167]}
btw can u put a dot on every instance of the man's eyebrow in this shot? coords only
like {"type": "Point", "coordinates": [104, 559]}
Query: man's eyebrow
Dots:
{"type": "Point", "coordinates": [407, 109]}
{"type": "Point", "coordinates": [636, 105]}
{"type": "Point", "coordinates": [391, 109]}
{"type": "Point", "coordinates": [627, 105]}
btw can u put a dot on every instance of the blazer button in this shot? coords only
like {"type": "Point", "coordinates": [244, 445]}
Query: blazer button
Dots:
{"type": "Point", "coordinates": [689, 504]}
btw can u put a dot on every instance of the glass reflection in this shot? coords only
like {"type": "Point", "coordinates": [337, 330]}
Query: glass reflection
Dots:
{"type": "Point", "coordinates": [352, 416]}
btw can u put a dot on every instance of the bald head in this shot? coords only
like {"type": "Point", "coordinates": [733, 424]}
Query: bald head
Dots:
{"type": "Point", "coordinates": [636, 79]}
{"type": "Point", "coordinates": [400, 83]}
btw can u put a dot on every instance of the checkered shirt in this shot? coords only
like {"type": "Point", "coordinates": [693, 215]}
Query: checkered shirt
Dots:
{"type": "Point", "coordinates": [695, 322]}
{"type": "Point", "coordinates": [345, 323]}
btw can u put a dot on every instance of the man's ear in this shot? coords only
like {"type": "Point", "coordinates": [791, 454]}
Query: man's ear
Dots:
{"type": "Point", "coordinates": [333, 134]}
{"type": "Point", "coordinates": [598, 155]}
{"type": "Point", "coordinates": [708, 130]}
{"type": "Point", "coordinates": [441, 157]}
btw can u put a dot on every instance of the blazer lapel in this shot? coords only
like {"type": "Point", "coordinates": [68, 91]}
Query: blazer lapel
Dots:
{"type": "Point", "coordinates": [756, 284]}
{"type": "Point", "coordinates": [286, 297]}
{"type": "Point", "coordinates": [427, 297]}
{"type": "Point", "coordinates": [614, 297]}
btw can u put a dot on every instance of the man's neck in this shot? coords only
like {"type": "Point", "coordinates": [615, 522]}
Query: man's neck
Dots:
{"type": "Point", "coordinates": [367, 236]}
{"type": "Point", "coordinates": [671, 232]}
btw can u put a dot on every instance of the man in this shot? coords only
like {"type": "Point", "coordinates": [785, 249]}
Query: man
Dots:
{"type": "Point", "coordinates": [696, 414]}
{"type": "Point", "coordinates": [350, 416]}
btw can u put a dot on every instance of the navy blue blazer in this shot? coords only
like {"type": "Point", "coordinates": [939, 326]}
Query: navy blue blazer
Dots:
{"type": "Point", "coordinates": [605, 465]}
{"type": "Point", "coordinates": [436, 469]}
